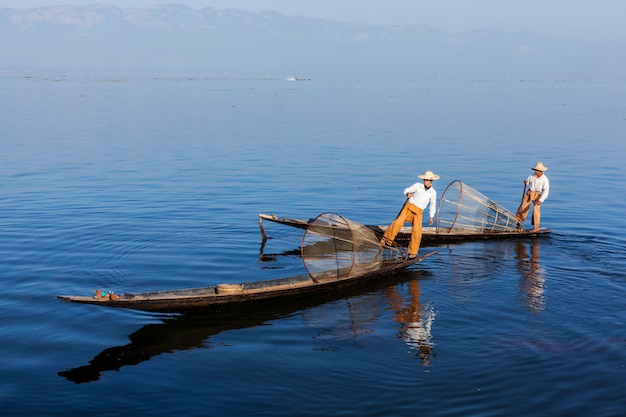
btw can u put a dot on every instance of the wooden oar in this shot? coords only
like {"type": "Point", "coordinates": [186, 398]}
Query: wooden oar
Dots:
{"type": "Point", "coordinates": [402, 208]}
{"type": "Point", "coordinates": [523, 195]}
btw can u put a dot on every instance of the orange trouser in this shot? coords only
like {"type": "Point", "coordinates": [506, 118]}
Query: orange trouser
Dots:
{"type": "Point", "coordinates": [412, 214]}
{"type": "Point", "coordinates": [522, 211]}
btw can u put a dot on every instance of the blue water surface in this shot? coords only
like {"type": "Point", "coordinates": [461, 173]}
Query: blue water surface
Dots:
{"type": "Point", "coordinates": [137, 182]}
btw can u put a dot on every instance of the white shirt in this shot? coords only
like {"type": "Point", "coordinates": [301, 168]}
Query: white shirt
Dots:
{"type": "Point", "coordinates": [539, 185]}
{"type": "Point", "coordinates": [422, 197]}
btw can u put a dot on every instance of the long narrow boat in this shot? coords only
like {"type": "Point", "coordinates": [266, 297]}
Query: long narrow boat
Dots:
{"type": "Point", "coordinates": [463, 214]}
{"type": "Point", "coordinates": [336, 252]}
{"type": "Point", "coordinates": [430, 235]}
{"type": "Point", "coordinates": [189, 331]}
{"type": "Point", "coordinates": [229, 296]}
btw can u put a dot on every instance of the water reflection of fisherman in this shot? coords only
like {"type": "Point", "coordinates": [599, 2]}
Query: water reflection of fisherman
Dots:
{"type": "Point", "coordinates": [532, 275]}
{"type": "Point", "coordinates": [415, 321]}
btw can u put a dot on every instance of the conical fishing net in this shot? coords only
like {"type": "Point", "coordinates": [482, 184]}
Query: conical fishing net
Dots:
{"type": "Point", "coordinates": [462, 209]}
{"type": "Point", "coordinates": [334, 247]}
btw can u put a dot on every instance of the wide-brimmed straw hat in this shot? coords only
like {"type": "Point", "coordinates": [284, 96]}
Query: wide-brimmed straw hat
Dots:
{"type": "Point", "coordinates": [540, 167]}
{"type": "Point", "coordinates": [429, 175]}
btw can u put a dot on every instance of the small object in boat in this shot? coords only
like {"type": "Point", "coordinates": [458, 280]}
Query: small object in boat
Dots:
{"type": "Point", "coordinates": [106, 295]}
{"type": "Point", "coordinates": [229, 288]}
{"type": "Point", "coordinates": [102, 295]}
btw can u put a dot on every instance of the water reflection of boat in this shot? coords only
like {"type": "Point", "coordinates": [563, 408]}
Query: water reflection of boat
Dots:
{"type": "Point", "coordinates": [464, 214]}
{"type": "Point", "coordinates": [348, 318]}
{"type": "Point", "coordinates": [337, 254]}
{"type": "Point", "coordinates": [188, 332]}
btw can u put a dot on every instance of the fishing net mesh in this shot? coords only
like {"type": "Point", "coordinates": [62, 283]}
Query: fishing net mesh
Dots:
{"type": "Point", "coordinates": [334, 247]}
{"type": "Point", "coordinates": [463, 209]}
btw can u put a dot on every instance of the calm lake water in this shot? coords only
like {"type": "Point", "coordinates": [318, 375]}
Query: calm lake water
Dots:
{"type": "Point", "coordinates": [134, 183]}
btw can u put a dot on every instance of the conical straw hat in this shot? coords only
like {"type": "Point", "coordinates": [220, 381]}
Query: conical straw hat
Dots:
{"type": "Point", "coordinates": [429, 175]}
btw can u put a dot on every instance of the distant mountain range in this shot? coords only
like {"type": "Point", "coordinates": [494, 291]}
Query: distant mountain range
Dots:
{"type": "Point", "coordinates": [175, 38]}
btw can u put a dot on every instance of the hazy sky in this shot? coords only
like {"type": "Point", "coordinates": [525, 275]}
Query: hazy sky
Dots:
{"type": "Point", "coordinates": [599, 19]}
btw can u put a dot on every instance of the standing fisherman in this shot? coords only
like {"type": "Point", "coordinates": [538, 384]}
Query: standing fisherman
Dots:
{"type": "Point", "coordinates": [537, 194]}
{"type": "Point", "coordinates": [419, 195]}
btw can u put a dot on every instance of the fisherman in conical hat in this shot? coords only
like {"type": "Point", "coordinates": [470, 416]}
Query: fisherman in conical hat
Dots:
{"type": "Point", "coordinates": [419, 195]}
{"type": "Point", "coordinates": [538, 191]}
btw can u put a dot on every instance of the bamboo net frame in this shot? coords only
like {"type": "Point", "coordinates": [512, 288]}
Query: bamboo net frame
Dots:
{"type": "Point", "coordinates": [334, 247]}
{"type": "Point", "coordinates": [463, 209]}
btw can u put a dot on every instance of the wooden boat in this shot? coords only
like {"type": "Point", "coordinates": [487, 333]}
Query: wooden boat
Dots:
{"type": "Point", "coordinates": [228, 296]}
{"type": "Point", "coordinates": [431, 236]}
{"type": "Point", "coordinates": [353, 249]}
{"type": "Point", "coordinates": [463, 214]}
{"type": "Point", "coordinates": [186, 332]}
